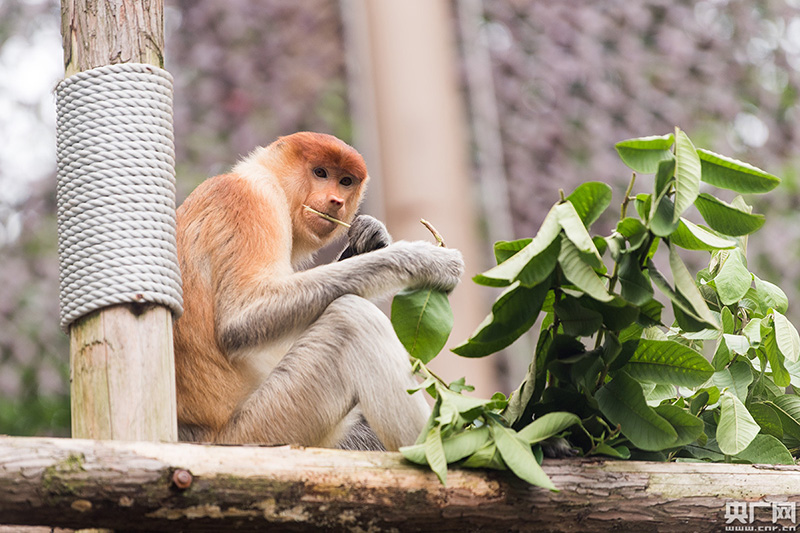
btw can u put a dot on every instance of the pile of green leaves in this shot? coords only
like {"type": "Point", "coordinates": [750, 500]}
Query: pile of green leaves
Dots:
{"type": "Point", "coordinates": [607, 370]}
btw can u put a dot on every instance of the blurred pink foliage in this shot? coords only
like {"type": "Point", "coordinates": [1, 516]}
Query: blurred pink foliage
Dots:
{"type": "Point", "coordinates": [574, 78]}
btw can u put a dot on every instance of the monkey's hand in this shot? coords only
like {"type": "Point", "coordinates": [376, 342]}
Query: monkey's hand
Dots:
{"type": "Point", "coordinates": [366, 234]}
{"type": "Point", "coordinates": [431, 266]}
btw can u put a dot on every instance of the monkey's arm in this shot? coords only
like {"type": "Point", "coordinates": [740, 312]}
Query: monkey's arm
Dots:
{"type": "Point", "coordinates": [276, 307]}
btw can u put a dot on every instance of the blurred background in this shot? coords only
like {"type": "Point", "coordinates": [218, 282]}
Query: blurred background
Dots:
{"type": "Point", "coordinates": [470, 113]}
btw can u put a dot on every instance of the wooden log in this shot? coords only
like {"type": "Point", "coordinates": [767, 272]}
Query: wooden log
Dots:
{"type": "Point", "coordinates": [139, 486]}
{"type": "Point", "coordinates": [122, 363]}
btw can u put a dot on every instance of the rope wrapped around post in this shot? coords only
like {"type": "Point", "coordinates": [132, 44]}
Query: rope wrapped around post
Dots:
{"type": "Point", "coordinates": [116, 190]}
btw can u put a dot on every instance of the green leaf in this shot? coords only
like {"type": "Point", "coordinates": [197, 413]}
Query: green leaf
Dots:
{"type": "Point", "coordinates": [722, 356]}
{"type": "Point", "coordinates": [576, 232]}
{"type": "Point", "coordinates": [634, 284]}
{"type": "Point", "coordinates": [786, 337]}
{"type": "Point", "coordinates": [465, 443]}
{"type": "Point", "coordinates": [619, 452]}
{"type": "Point", "coordinates": [513, 313]}
{"type": "Point", "coordinates": [519, 458]}
{"type": "Point", "coordinates": [753, 331]}
{"type": "Point", "coordinates": [506, 272]}
{"type": "Point", "coordinates": [668, 362]}
{"type": "Point", "coordinates": [414, 453]}
{"type": "Point", "coordinates": [771, 296]}
{"type": "Point", "coordinates": [776, 359]}
{"type": "Point", "coordinates": [617, 314]}
{"type": "Point", "coordinates": [736, 378]}
{"type": "Point", "coordinates": [728, 322]}
{"type": "Point", "coordinates": [422, 319]}
{"type": "Point", "coordinates": [634, 232]}
{"type": "Point", "coordinates": [577, 320]}
{"type": "Point", "coordinates": [547, 426]}
{"type": "Point", "coordinates": [738, 344]}
{"type": "Point", "coordinates": [486, 457]}
{"type": "Point", "coordinates": [729, 173]}
{"type": "Point", "coordinates": [460, 385]}
{"type": "Point", "coordinates": [534, 272]}
{"type": "Point", "coordinates": [766, 449]}
{"type": "Point", "coordinates": [699, 401]}
{"type": "Point", "coordinates": [665, 177]}
{"type": "Point", "coordinates": [456, 447]}
{"type": "Point", "coordinates": [654, 393]}
{"type": "Point", "coordinates": [680, 305]}
{"type": "Point", "coordinates": [662, 222]}
{"type": "Point", "coordinates": [726, 218]}
{"type": "Point", "coordinates": [650, 313]}
{"type": "Point", "coordinates": [622, 401]}
{"type": "Point", "coordinates": [503, 250]}
{"type": "Point", "coordinates": [590, 199]}
{"type": "Point", "coordinates": [733, 279]}
{"type": "Point", "coordinates": [690, 236]}
{"type": "Point", "coordinates": [645, 153]}
{"type": "Point", "coordinates": [788, 409]}
{"type": "Point", "coordinates": [767, 418]}
{"type": "Point", "coordinates": [686, 287]}
{"type": "Point", "coordinates": [643, 204]}
{"type": "Point", "coordinates": [688, 426]}
{"type": "Point", "coordinates": [466, 407]}
{"type": "Point", "coordinates": [434, 453]}
{"type": "Point", "coordinates": [736, 428]}
{"type": "Point", "coordinates": [540, 267]}
{"type": "Point", "coordinates": [579, 273]}
{"type": "Point", "coordinates": [687, 174]}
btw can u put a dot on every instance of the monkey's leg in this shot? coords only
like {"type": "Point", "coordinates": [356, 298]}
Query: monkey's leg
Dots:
{"type": "Point", "coordinates": [349, 356]}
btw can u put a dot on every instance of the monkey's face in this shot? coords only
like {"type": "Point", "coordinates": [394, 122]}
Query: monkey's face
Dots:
{"type": "Point", "coordinates": [334, 191]}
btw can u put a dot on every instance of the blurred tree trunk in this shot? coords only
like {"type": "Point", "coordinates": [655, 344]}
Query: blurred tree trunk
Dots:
{"type": "Point", "coordinates": [411, 126]}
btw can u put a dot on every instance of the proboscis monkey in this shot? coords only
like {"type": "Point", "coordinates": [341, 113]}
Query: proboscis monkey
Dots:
{"type": "Point", "coordinates": [267, 352]}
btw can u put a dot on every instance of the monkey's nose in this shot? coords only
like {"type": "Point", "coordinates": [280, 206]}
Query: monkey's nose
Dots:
{"type": "Point", "coordinates": [337, 201]}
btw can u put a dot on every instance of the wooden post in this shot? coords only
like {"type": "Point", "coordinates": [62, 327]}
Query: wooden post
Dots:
{"type": "Point", "coordinates": [122, 364]}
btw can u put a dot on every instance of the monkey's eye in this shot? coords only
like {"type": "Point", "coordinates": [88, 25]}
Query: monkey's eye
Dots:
{"type": "Point", "coordinates": [320, 172]}
{"type": "Point", "coordinates": [346, 181]}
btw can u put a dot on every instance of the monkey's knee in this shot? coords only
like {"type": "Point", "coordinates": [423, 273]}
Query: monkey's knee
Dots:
{"type": "Point", "coordinates": [358, 316]}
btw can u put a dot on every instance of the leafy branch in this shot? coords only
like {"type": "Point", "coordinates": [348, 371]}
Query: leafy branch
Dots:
{"type": "Point", "coordinates": [703, 379]}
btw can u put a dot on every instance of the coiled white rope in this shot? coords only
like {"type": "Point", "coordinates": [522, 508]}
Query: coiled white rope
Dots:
{"type": "Point", "coordinates": [116, 190]}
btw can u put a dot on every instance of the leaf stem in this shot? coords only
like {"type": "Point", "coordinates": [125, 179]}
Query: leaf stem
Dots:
{"type": "Point", "coordinates": [435, 233]}
{"type": "Point", "coordinates": [623, 211]}
{"type": "Point", "coordinates": [428, 372]}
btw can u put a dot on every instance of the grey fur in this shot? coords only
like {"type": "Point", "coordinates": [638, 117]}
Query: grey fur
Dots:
{"type": "Point", "coordinates": [295, 301]}
{"type": "Point", "coordinates": [343, 355]}
{"type": "Point", "coordinates": [349, 356]}
{"type": "Point", "coordinates": [361, 437]}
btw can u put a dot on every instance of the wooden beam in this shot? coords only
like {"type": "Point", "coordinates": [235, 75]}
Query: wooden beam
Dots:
{"type": "Point", "coordinates": [138, 486]}
{"type": "Point", "coordinates": [122, 366]}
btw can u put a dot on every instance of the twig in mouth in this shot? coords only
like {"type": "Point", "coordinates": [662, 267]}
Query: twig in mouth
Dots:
{"type": "Point", "coordinates": [327, 217]}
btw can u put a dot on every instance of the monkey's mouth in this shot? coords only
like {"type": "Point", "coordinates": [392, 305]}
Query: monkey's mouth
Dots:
{"type": "Point", "coordinates": [325, 216]}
